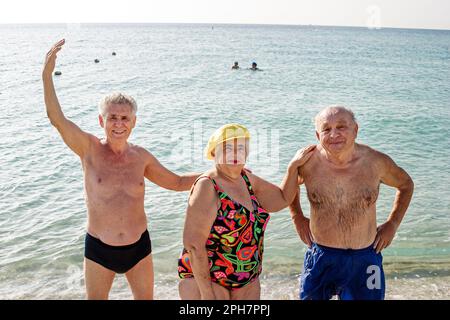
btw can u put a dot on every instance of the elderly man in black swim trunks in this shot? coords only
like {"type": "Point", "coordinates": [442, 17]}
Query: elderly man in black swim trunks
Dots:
{"type": "Point", "coordinates": [117, 240]}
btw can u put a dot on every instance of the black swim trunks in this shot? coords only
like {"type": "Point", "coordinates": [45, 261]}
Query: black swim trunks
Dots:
{"type": "Point", "coordinates": [119, 259]}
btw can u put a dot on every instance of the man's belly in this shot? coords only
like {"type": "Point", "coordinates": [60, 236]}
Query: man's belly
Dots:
{"type": "Point", "coordinates": [332, 233]}
{"type": "Point", "coordinates": [117, 224]}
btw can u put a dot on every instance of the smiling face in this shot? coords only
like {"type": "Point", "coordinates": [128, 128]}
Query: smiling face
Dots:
{"type": "Point", "coordinates": [118, 121]}
{"type": "Point", "coordinates": [232, 152]}
{"type": "Point", "coordinates": [336, 130]}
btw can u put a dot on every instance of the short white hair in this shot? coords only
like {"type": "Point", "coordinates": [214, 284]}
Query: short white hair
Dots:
{"type": "Point", "coordinates": [333, 110]}
{"type": "Point", "coordinates": [116, 98]}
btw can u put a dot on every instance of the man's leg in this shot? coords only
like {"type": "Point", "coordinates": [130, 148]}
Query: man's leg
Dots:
{"type": "Point", "coordinates": [98, 280]}
{"type": "Point", "coordinates": [141, 279]}
{"type": "Point", "coordinates": [320, 274]}
{"type": "Point", "coordinates": [368, 282]}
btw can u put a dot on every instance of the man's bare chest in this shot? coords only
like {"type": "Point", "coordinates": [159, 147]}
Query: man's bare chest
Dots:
{"type": "Point", "coordinates": [106, 175]}
{"type": "Point", "coordinates": [354, 189]}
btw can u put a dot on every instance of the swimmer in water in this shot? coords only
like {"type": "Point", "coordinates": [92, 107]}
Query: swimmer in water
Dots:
{"type": "Point", "coordinates": [254, 67]}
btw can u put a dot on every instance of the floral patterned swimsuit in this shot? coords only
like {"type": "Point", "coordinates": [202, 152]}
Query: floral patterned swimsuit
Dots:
{"type": "Point", "coordinates": [235, 243]}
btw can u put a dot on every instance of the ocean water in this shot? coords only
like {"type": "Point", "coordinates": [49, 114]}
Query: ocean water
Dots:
{"type": "Point", "coordinates": [396, 81]}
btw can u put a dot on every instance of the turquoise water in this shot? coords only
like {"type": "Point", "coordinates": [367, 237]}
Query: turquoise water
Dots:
{"type": "Point", "coordinates": [396, 81]}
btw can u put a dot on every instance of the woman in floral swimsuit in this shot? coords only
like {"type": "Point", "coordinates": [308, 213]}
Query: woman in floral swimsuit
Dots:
{"type": "Point", "coordinates": [227, 215]}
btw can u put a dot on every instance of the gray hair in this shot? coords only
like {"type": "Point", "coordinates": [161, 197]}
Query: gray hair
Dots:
{"type": "Point", "coordinates": [116, 98]}
{"type": "Point", "coordinates": [334, 110]}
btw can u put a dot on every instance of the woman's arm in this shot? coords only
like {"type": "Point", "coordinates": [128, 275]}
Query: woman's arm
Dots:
{"type": "Point", "coordinates": [269, 196]}
{"type": "Point", "coordinates": [289, 185]}
{"type": "Point", "coordinates": [200, 216]}
{"type": "Point", "coordinates": [274, 198]}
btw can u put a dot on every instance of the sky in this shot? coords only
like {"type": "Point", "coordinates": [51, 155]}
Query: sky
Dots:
{"type": "Point", "coordinates": [426, 14]}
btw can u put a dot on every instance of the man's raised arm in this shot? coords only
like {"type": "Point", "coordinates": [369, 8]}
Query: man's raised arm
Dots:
{"type": "Point", "coordinates": [73, 136]}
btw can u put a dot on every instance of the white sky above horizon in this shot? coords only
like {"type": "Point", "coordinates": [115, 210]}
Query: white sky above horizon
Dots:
{"type": "Point", "coordinates": [427, 14]}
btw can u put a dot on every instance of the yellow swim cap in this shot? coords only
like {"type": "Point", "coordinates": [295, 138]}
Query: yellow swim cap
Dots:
{"type": "Point", "coordinates": [225, 133]}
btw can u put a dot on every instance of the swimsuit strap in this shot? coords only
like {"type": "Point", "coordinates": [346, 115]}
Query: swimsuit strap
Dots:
{"type": "Point", "coordinates": [247, 182]}
{"type": "Point", "coordinates": [222, 194]}
{"type": "Point", "coordinates": [211, 179]}
{"type": "Point", "coordinates": [243, 175]}
{"type": "Point", "coordinates": [255, 202]}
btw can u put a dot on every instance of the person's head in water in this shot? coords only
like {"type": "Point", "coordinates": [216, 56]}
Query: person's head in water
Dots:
{"type": "Point", "coordinates": [236, 65]}
{"type": "Point", "coordinates": [254, 65]}
{"type": "Point", "coordinates": [117, 115]}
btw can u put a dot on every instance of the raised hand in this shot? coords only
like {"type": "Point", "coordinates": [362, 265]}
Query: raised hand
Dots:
{"type": "Point", "coordinates": [50, 58]}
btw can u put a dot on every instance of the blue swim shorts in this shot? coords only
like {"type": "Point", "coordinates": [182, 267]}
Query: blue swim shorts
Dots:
{"type": "Point", "coordinates": [349, 274]}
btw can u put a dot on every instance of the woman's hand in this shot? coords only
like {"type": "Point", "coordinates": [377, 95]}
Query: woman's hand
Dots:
{"type": "Point", "coordinates": [302, 156]}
